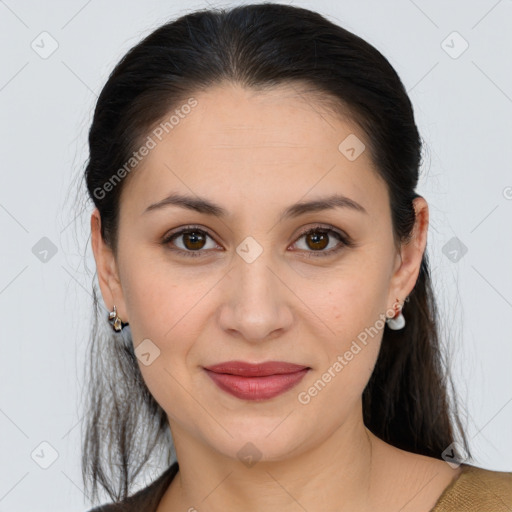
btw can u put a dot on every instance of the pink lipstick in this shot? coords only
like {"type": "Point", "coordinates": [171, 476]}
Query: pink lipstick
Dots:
{"type": "Point", "coordinates": [256, 381]}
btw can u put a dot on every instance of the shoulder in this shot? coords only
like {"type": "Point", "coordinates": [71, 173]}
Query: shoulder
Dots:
{"type": "Point", "coordinates": [477, 489]}
{"type": "Point", "coordinates": [145, 499]}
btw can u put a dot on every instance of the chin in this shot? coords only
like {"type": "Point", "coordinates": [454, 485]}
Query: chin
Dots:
{"type": "Point", "coordinates": [255, 440]}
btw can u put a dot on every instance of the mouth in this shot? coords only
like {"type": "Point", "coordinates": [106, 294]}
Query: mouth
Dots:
{"type": "Point", "coordinates": [249, 381]}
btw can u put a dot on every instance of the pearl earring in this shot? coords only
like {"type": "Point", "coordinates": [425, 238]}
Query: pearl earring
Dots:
{"type": "Point", "coordinates": [396, 322]}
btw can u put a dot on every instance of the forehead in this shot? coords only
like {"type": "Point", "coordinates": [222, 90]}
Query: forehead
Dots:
{"type": "Point", "coordinates": [263, 145]}
{"type": "Point", "coordinates": [229, 116]}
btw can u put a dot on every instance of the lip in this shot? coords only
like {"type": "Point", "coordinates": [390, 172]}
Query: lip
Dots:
{"type": "Point", "coordinates": [262, 381]}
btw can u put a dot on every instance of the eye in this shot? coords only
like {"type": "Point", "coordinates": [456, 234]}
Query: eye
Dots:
{"type": "Point", "coordinates": [193, 241]}
{"type": "Point", "coordinates": [319, 237]}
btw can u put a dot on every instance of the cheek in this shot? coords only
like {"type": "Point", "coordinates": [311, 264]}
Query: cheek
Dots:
{"type": "Point", "coordinates": [168, 309]}
{"type": "Point", "coordinates": [351, 307]}
{"type": "Point", "coordinates": [348, 361]}
{"type": "Point", "coordinates": [158, 298]}
{"type": "Point", "coordinates": [352, 302]}
{"type": "Point", "coordinates": [164, 324]}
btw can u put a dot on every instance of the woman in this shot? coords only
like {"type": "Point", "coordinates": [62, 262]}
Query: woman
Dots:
{"type": "Point", "coordinates": [257, 235]}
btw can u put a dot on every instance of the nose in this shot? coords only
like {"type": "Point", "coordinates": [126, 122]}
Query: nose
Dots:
{"type": "Point", "coordinates": [257, 303]}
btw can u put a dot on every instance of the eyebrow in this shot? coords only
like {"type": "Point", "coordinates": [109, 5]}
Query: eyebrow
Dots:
{"type": "Point", "coordinates": [205, 206]}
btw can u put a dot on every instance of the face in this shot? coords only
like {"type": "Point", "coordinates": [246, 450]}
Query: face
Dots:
{"type": "Point", "coordinates": [249, 285]}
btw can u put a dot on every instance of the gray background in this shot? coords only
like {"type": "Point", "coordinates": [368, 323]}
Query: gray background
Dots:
{"type": "Point", "coordinates": [463, 106]}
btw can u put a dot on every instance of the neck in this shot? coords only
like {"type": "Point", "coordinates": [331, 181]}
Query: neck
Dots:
{"type": "Point", "coordinates": [337, 471]}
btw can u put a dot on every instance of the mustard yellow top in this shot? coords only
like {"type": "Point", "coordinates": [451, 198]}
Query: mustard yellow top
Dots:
{"type": "Point", "coordinates": [477, 490]}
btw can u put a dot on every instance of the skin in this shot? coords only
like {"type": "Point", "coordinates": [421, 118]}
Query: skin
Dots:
{"type": "Point", "coordinates": [256, 153]}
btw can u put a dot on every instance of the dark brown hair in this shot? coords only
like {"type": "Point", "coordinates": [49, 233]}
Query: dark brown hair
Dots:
{"type": "Point", "coordinates": [406, 402]}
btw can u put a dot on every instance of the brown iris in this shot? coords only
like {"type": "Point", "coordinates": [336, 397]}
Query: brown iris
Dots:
{"type": "Point", "coordinates": [196, 240]}
{"type": "Point", "coordinates": [319, 239]}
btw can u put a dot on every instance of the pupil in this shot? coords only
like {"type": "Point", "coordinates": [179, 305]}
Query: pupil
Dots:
{"type": "Point", "coordinates": [318, 238]}
{"type": "Point", "coordinates": [193, 237]}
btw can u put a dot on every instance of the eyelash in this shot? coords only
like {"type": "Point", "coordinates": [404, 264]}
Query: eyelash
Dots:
{"type": "Point", "coordinates": [344, 239]}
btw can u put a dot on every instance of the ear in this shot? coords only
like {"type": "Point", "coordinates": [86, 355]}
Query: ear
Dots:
{"type": "Point", "coordinates": [409, 258]}
{"type": "Point", "coordinates": [108, 275]}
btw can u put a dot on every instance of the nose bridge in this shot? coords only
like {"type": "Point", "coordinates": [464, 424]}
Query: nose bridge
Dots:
{"type": "Point", "coordinates": [254, 305]}
{"type": "Point", "coordinates": [253, 275]}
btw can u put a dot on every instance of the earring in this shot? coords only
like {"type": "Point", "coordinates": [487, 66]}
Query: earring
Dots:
{"type": "Point", "coordinates": [115, 320]}
{"type": "Point", "coordinates": [396, 322]}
